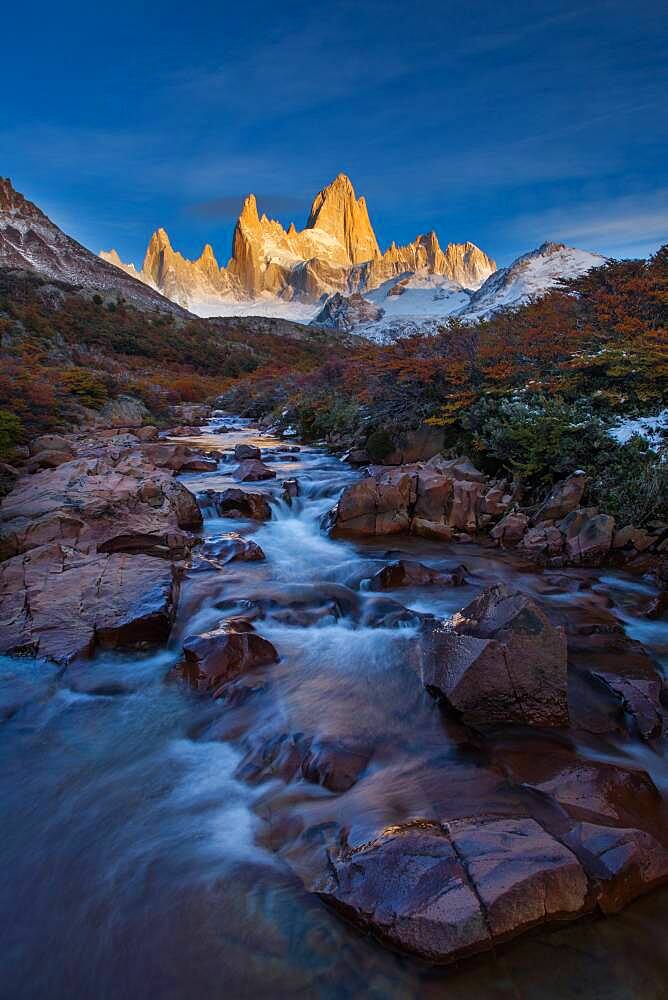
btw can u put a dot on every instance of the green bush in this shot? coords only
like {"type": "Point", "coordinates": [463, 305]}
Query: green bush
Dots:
{"type": "Point", "coordinates": [379, 444]}
{"type": "Point", "coordinates": [10, 433]}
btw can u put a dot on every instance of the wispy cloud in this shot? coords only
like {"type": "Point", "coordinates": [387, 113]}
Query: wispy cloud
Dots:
{"type": "Point", "coordinates": [632, 223]}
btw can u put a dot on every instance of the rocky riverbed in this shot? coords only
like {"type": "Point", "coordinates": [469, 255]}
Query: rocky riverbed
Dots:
{"type": "Point", "coordinates": [221, 714]}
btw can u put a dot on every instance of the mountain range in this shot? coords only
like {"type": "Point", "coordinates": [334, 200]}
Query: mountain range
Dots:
{"type": "Point", "coordinates": [293, 271]}
{"type": "Point", "coordinates": [332, 273]}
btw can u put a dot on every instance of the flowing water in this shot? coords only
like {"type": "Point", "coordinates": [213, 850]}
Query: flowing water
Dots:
{"type": "Point", "coordinates": [141, 854]}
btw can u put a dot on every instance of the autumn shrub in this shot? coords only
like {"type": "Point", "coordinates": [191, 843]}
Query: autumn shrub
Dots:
{"type": "Point", "coordinates": [90, 389]}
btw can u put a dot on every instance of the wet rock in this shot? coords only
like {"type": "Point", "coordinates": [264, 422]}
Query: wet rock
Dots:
{"type": "Point", "coordinates": [563, 498]}
{"type": "Point", "coordinates": [200, 465]}
{"type": "Point", "coordinates": [233, 548]}
{"type": "Point", "coordinates": [657, 607]}
{"type": "Point", "coordinates": [510, 531]}
{"type": "Point", "coordinates": [244, 451]}
{"type": "Point", "coordinates": [239, 503]}
{"type": "Point", "coordinates": [251, 471]}
{"type": "Point", "coordinates": [335, 764]}
{"type": "Point", "coordinates": [406, 573]}
{"type": "Point", "coordinates": [499, 660]}
{"type": "Point", "coordinates": [640, 692]}
{"type": "Point", "coordinates": [218, 656]}
{"type": "Point", "coordinates": [623, 862]}
{"type": "Point", "coordinates": [62, 604]}
{"type": "Point", "coordinates": [445, 891]}
{"type": "Point", "coordinates": [290, 490]}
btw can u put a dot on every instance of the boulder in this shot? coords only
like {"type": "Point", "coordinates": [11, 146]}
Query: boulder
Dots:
{"type": "Point", "coordinates": [464, 510]}
{"type": "Point", "coordinates": [147, 433]}
{"type": "Point", "coordinates": [461, 468]}
{"type": "Point", "coordinates": [435, 530]}
{"type": "Point", "coordinates": [443, 891]}
{"type": "Point", "coordinates": [416, 445]}
{"type": "Point", "coordinates": [51, 442]}
{"type": "Point", "coordinates": [243, 451]}
{"type": "Point", "coordinates": [543, 544]}
{"type": "Point", "coordinates": [376, 505]}
{"type": "Point", "coordinates": [124, 411]}
{"type": "Point", "coordinates": [510, 531]}
{"type": "Point", "coordinates": [213, 658]}
{"type": "Point", "coordinates": [250, 470]}
{"type": "Point", "coordinates": [184, 430]}
{"type": "Point", "coordinates": [61, 604]}
{"type": "Point", "coordinates": [624, 862]}
{"type": "Point", "coordinates": [231, 548]}
{"type": "Point", "coordinates": [588, 536]}
{"type": "Point", "coordinates": [499, 660]}
{"type": "Point", "coordinates": [240, 503]}
{"type": "Point", "coordinates": [199, 464]}
{"type": "Point", "coordinates": [562, 499]}
{"type": "Point", "coordinates": [48, 460]}
{"type": "Point", "coordinates": [290, 490]}
{"type": "Point", "coordinates": [406, 573]}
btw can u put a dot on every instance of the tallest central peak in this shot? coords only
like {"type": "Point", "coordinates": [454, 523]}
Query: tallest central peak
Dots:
{"type": "Point", "coordinates": [336, 211]}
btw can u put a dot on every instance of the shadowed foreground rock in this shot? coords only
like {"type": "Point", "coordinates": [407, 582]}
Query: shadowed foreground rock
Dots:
{"type": "Point", "coordinates": [499, 660]}
{"type": "Point", "coordinates": [448, 890]}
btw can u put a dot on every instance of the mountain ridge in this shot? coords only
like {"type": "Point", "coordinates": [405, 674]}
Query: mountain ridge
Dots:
{"type": "Point", "coordinates": [336, 252]}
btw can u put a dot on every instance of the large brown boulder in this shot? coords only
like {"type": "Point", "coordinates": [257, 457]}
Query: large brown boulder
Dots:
{"type": "Point", "coordinates": [250, 470]}
{"type": "Point", "coordinates": [443, 891]}
{"type": "Point", "coordinates": [62, 604]}
{"type": "Point", "coordinates": [240, 503]}
{"type": "Point", "coordinates": [213, 658]}
{"type": "Point", "coordinates": [244, 451]}
{"type": "Point", "coordinates": [499, 660]}
{"type": "Point", "coordinates": [563, 498]}
{"type": "Point", "coordinates": [51, 442]}
{"type": "Point", "coordinates": [376, 505]}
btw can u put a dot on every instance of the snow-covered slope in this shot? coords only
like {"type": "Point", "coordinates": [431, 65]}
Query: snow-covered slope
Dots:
{"type": "Point", "coordinates": [28, 239]}
{"type": "Point", "coordinates": [528, 277]}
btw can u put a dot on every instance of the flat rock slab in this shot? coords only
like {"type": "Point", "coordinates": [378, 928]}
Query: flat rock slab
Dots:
{"type": "Point", "coordinates": [445, 891]}
{"type": "Point", "coordinates": [62, 604]}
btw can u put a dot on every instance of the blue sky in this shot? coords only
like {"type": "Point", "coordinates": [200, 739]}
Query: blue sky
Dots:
{"type": "Point", "coordinates": [503, 123]}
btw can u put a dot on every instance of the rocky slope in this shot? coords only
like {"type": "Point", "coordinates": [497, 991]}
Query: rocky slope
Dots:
{"type": "Point", "coordinates": [288, 271]}
{"type": "Point", "coordinates": [420, 301]}
{"type": "Point", "coordinates": [529, 276]}
{"type": "Point", "coordinates": [29, 239]}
